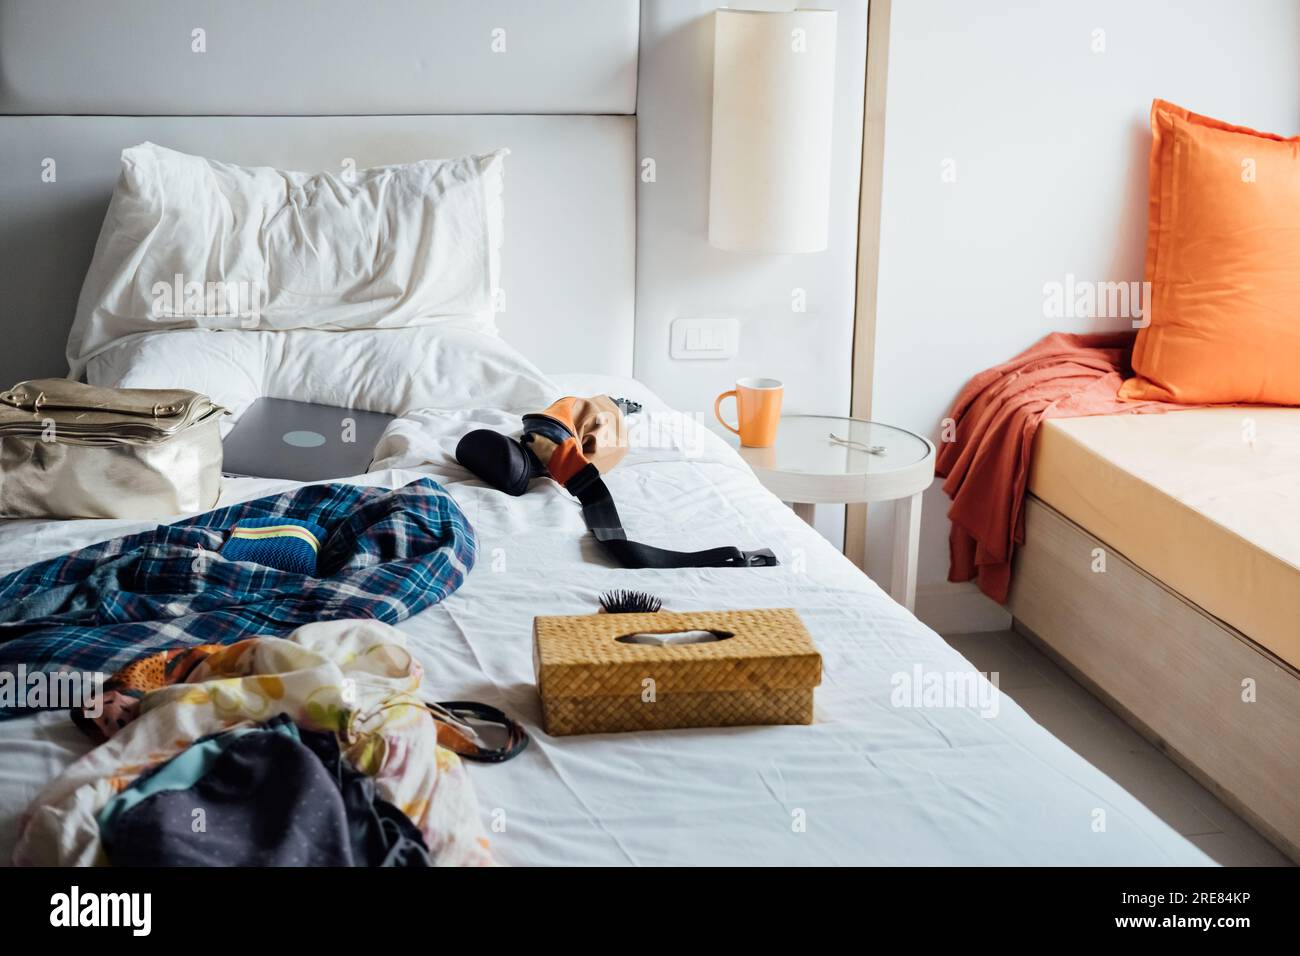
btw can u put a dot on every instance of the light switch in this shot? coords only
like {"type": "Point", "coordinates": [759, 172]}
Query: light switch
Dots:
{"type": "Point", "coordinates": [705, 338]}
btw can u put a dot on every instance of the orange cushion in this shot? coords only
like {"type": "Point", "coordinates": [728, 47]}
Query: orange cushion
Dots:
{"type": "Point", "coordinates": [1223, 263]}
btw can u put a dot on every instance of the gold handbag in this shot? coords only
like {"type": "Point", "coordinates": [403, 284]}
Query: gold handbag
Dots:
{"type": "Point", "coordinates": [69, 450]}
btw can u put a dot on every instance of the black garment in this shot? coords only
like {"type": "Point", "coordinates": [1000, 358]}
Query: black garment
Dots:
{"type": "Point", "coordinates": [380, 833]}
{"type": "Point", "coordinates": [510, 464]}
{"type": "Point", "coordinates": [269, 800]}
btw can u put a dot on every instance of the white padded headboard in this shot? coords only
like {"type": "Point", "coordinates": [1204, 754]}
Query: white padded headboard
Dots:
{"type": "Point", "coordinates": [314, 84]}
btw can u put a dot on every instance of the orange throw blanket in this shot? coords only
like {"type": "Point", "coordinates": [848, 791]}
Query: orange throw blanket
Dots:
{"type": "Point", "coordinates": [997, 415]}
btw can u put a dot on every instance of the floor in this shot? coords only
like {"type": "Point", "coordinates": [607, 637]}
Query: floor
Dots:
{"type": "Point", "coordinates": [1073, 715]}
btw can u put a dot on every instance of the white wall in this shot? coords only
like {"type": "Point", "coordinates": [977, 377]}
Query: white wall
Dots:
{"type": "Point", "coordinates": [1050, 144]}
{"type": "Point", "coordinates": [680, 274]}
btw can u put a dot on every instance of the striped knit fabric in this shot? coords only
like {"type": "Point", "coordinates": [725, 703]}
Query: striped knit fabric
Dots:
{"type": "Point", "coordinates": [288, 545]}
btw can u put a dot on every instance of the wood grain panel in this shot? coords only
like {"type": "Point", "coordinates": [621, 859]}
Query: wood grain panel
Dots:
{"type": "Point", "coordinates": [1174, 672]}
{"type": "Point", "coordinates": [864, 318]}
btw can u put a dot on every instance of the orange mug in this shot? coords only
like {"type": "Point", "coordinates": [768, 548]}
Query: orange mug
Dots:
{"type": "Point", "coordinates": [758, 410]}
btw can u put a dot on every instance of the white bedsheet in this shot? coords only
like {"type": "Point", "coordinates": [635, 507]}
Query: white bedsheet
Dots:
{"type": "Point", "coordinates": [867, 783]}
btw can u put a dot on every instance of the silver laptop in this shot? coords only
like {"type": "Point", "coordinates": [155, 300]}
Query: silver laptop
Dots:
{"type": "Point", "coordinates": [276, 438]}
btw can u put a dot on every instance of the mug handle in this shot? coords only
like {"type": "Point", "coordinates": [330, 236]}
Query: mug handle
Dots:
{"type": "Point", "coordinates": [717, 410]}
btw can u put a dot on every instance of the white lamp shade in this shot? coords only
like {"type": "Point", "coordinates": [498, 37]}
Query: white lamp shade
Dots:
{"type": "Point", "coordinates": [773, 102]}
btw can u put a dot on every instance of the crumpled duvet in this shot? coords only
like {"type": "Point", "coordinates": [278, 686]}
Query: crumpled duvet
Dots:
{"type": "Point", "coordinates": [354, 678]}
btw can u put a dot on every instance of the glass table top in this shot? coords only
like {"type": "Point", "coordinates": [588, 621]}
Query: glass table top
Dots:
{"type": "Point", "coordinates": [831, 445]}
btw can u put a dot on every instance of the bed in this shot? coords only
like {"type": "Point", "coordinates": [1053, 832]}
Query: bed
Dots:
{"type": "Point", "coordinates": [867, 783]}
{"type": "Point", "coordinates": [873, 780]}
{"type": "Point", "coordinates": [1188, 627]}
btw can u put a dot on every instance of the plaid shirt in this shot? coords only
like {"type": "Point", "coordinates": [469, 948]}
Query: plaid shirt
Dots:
{"type": "Point", "coordinates": [388, 555]}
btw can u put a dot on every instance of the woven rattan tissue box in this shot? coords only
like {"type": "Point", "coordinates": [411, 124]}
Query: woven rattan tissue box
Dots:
{"type": "Point", "coordinates": [590, 682]}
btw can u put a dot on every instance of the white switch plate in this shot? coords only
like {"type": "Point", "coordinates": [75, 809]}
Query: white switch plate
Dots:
{"type": "Point", "coordinates": [705, 338]}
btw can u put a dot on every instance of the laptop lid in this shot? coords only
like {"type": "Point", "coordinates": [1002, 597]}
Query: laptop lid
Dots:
{"type": "Point", "coordinates": [277, 438]}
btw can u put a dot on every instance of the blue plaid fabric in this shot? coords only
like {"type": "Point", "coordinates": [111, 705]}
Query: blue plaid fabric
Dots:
{"type": "Point", "coordinates": [387, 555]}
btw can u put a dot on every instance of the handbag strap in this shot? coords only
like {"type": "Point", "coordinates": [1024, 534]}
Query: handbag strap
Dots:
{"type": "Point", "coordinates": [67, 396]}
{"type": "Point", "coordinates": [601, 516]}
{"type": "Point", "coordinates": [458, 736]}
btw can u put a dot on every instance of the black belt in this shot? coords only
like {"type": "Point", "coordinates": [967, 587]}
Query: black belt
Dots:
{"type": "Point", "coordinates": [603, 521]}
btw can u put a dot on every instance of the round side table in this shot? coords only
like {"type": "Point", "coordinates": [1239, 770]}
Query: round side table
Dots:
{"type": "Point", "coordinates": [826, 459]}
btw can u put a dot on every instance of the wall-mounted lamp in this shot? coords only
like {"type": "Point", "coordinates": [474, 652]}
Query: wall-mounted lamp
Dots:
{"type": "Point", "coordinates": [773, 100]}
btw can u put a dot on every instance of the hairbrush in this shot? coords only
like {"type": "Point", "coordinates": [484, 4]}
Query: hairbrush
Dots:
{"type": "Point", "coordinates": [629, 602]}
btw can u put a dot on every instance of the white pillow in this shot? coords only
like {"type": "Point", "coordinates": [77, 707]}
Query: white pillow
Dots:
{"type": "Point", "coordinates": [194, 243]}
{"type": "Point", "coordinates": [381, 370]}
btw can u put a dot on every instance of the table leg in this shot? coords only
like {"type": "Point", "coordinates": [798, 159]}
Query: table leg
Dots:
{"type": "Point", "coordinates": [804, 510]}
{"type": "Point", "coordinates": [907, 540]}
